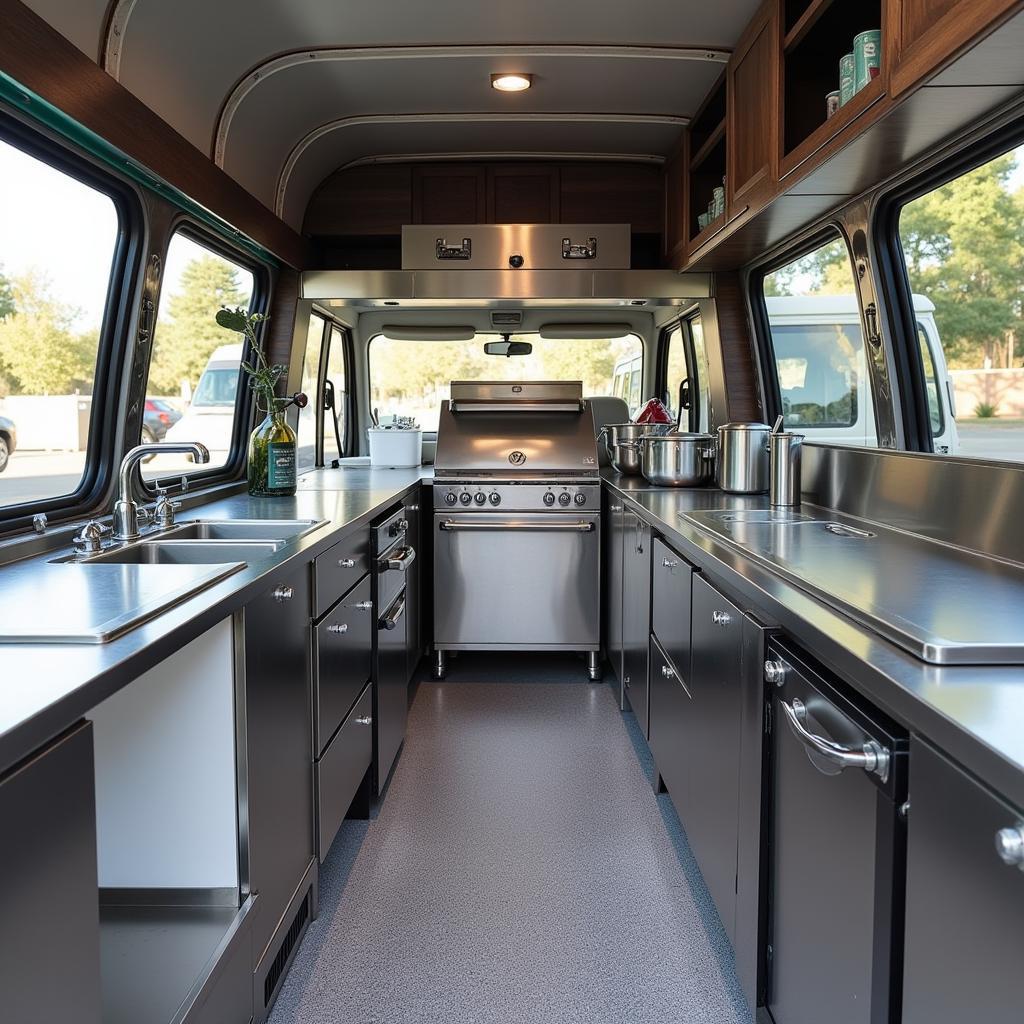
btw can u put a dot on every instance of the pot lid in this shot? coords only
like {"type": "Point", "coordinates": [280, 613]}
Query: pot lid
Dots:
{"type": "Point", "coordinates": [758, 428]}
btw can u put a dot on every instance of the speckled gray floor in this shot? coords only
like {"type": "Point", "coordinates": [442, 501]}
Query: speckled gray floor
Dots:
{"type": "Point", "coordinates": [520, 870]}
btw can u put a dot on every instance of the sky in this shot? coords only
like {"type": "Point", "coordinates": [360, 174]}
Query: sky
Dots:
{"type": "Point", "coordinates": [54, 223]}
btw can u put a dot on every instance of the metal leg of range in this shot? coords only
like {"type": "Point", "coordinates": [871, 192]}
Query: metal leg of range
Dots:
{"type": "Point", "coordinates": [440, 665]}
{"type": "Point", "coordinates": [594, 666]}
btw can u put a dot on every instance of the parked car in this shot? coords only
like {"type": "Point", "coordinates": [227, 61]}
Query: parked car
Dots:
{"type": "Point", "coordinates": [158, 417]}
{"type": "Point", "coordinates": [8, 441]}
{"type": "Point", "coordinates": [210, 416]}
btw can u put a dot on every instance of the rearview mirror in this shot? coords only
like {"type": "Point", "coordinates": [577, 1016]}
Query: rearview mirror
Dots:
{"type": "Point", "coordinates": [508, 348]}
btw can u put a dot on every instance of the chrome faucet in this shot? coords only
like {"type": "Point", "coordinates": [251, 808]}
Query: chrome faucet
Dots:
{"type": "Point", "coordinates": [126, 512]}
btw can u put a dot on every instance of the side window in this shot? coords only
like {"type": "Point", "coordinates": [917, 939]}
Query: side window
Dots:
{"type": "Point", "coordinates": [818, 347]}
{"type": "Point", "coordinates": [306, 447]}
{"type": "Point", "coordinates": [58, 240]}
{"type": "Point", "coordinates": [337, 388]}
{"type": "Point", "coordinates": [194, 372]}
{"type": "Point", "coordinates": [964, 253]}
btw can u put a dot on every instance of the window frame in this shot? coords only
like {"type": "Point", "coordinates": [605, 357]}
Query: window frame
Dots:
{"type": "Point", "coordinates": [348, 368]}
{"type": "Point", "coordinates": [685, 324]}
{"type": "Point", "coordinates": [115, 325]}
{"type": "Point", "coordinates": [262, 295]}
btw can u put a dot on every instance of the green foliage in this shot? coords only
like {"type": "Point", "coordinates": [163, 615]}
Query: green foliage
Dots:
{"type": "Point", "coordinates": [825, 271]}
{"type": "Point", "coordinates": [985, 410]}
{"type": "Point", "coordinates": [263, 376]}
{"type": "Point", "coordinates": [40, 353]}
{"type": "Point", "coordinates": [187, 331]}
{"type": "Point", "coordinates": [7, 306]}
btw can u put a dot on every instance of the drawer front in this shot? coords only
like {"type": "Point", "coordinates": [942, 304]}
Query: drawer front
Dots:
{"type": "Point", "coordinates": [670, 607]}
{"type": "Point", "coordinates": [338, 773]}
{"type": "Point", "coordinates": [340, 567]}
{"type": "Point", "coordinates": [671, 710]}
{"type": "Point", "coordinates": [344, 657]}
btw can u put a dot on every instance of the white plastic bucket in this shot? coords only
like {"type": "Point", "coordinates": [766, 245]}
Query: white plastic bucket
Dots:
{"type": "Point", "coordinates": [395, 449]}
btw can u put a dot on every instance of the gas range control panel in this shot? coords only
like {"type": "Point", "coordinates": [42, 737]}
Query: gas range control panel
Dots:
{"type": "Point", "coordinates": [559, 496]}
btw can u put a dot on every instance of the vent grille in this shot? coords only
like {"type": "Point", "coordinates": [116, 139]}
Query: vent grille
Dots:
{"type": "Point", "coordinates": [281, 960]}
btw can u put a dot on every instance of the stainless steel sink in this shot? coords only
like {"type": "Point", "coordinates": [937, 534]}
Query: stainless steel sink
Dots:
{"type": "Point", "coordinates": [240, 529]}
{"type": "Point", "coordinates": [187, 552]}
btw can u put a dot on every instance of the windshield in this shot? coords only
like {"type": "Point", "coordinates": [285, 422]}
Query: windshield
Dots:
{"type": "Point", "coordinates": [412, 378]}
{"type": "Point", "coordinates": [217, 387]}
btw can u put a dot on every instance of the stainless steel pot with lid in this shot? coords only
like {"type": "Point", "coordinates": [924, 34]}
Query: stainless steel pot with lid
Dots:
{"type": "Point", "coordinates": [743, 457]}
{"type": "Point", "coordinates": [621, 440]}
{"type": "Point", "coordinates": [677, 459]}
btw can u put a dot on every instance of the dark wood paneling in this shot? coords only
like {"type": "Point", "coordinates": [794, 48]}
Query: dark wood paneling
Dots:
{"type": "Point", "coordinates": [620, 193]}
{"type": "Point", "coordinates": [675, 202]}
{"type": "Point", "coordinates": [522, 194]}
{"type": "Point", "coordinates": [42, 60]}
{"type": "Point", "coordinates": [449, 194]}
{"type": "Point", "coordinates": [369, 200]}
{"type": "Point", "coordinates": [738, 367]}
{"type": "Point", "coordinates": [282, 317]}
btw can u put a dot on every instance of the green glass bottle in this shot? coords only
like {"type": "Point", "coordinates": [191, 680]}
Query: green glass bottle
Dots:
{"type": "Point", "coordinates": [272, 457]}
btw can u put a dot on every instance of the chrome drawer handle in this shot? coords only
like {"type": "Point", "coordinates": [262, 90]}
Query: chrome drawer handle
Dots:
{"type": "Point", "coordinates": [774, 672]}
{"type": "Point", "coordinates": [338, 627]}
{"type": "Point", "coordinates": [1010, 846]}
{"type": "Point", "coordinates": [401, 562]}
{"type": "Point", "coordinates": [872, 756]}
{"type": "Point", "coordinates": [364, 606]}
{"type": "Point", "coordinates": [667, 672]}
{"type": "Point", "coordinates": [721, 618]}
{"type": "Point", "coordinates": [669, 563]}
{"type": "Point", "coordinates": [397, 610]}
{"type": "Point", "coordinates": [283, 593]}
{"type": "Point", "coordinates": [363, 720]}
{"type": "Point", "coordinates": [346, 563]}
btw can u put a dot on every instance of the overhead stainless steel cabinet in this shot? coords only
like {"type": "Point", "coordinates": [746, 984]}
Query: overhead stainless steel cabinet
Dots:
{"type": "Point", "coordinates": [49, 911]}
{"type": "Point", "coordinates": [614, 535]}
{"type": "Point", "coordinates": [636, 614]}
{"type": "Point", "coordinates": [521, 581]}
{"type": "Point", "coordinates": [835, 845]}
{"type": "Point", "coordinates": [709, 803]}
{"type": "Point", "coordinates": [278, 745]}
{"type": "Point", "coordinates": [964, 942]}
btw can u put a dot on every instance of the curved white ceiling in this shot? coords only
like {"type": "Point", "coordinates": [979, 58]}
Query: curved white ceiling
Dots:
{"type": "Point", "coordinates": [282, 90]}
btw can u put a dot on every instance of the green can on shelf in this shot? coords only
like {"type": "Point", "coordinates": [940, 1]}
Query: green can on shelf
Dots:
{"type": "Point", "coordinates": [847, 79]}
{"type": "Point", "coordinates": [867, 58]}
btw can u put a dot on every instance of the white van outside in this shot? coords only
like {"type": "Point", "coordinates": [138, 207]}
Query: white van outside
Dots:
{"type": "Point", "coordinates": [210, 416]}
{"type": "Point", "coordinates": [822, 368]}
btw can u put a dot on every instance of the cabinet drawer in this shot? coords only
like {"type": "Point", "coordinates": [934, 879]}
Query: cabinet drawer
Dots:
{"type": "Point", "coordinates": [338, 773]}
{"type": "Point", "coordinates": [344, 650]}
{"type": "Point", "coordinates": [340, 567]}
{"type": "Point", "coordinates": [670, 708]}
{"type": "Point", "coordinates": [670, 607]}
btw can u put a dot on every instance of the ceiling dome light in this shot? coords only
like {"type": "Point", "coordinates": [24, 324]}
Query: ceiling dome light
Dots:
{"type": "Point", "coordinates": [511, 83]}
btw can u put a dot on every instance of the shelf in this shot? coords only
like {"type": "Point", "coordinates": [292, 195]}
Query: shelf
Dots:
{"type": "Point", "coordinates": [795, 36]}
{"type": "Point", "coordinates": [708, 148]}
{"type": "Point", "coordinates": [704, 234]}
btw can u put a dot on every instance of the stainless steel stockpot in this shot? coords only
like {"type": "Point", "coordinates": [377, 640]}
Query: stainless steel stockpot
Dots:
{"type": "Point", "coordinates": [743, 457]}
{"type": "Point", "coordinates": [677, 459]}
{"type": "Point", "coordinates": [621, 439]}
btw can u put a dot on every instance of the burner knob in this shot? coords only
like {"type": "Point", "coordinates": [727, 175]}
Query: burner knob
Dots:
{"type": "Point", "coordinates": [494, 498]}
{"type": "Point", "coordinates": [549, 499]}
{"type": "Point", "coordinates": [479, 497]}
{"type": "Point", "coordinates": [465, 498]}
{"type": "Point", "coordinates": [580, 499]}
{"type": "Point", "coordinates": [564, 498]}
{"type": "Point", "coordinates": [451, 498]}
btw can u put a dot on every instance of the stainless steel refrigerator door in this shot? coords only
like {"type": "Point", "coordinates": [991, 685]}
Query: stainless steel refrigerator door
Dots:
{"type": "Point", "coordinates": [529, 581]}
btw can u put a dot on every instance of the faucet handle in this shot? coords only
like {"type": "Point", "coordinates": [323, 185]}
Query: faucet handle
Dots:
{"type": "Point", "coordinates": [163, 510]}
{"type": "Point", "coordinates": [89, 540]}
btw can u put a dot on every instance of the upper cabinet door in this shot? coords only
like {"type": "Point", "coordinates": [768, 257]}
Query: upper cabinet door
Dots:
{"type": "Point", "coordinates": [522, 194]}
{"type": "Point", "coordinates": [924, 34]}
{"type": "Point", "coordinates": [753, 112]}
{"type": "Point", "coordinates": [449, 194]}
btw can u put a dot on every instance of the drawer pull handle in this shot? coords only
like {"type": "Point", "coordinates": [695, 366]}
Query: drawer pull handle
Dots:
{"type": "Point", "coordinates": [364, 606]}
{"type": "Point", "coordinates": [721, 618]}
{"type": "Point", "coordinates": [364, 720]}
{"type": "Point", "coordinates": [338, 627]}
{"type": "Point", "coordinates": [283, 593]}
{"type": "Point", "coordinates": [400, 562]}
{"type": "Point", "coordinates": [774, 672]}
{"type": "Point", "coordinates": [1010, 846]}
{"type": "Point", "coordinates": [667, 672]}
{"type": "Point", "coordinates": [872, 756]}
{"type": "Point", "coordinates": [669, 563]}
{"type": "Point", "coordinates": [346, 563]}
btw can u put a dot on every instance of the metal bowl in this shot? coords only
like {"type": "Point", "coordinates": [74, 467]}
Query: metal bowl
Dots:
{"type": "Point", "coordinates": [622, 438]}
{"type": "Point", "coordinates": [677, 459]}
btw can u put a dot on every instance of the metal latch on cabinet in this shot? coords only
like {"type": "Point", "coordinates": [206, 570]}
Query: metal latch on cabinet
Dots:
{"type": "Point", "coordinates": [444, 251]}
{"type": "Point", "coordinates": [579, 250]}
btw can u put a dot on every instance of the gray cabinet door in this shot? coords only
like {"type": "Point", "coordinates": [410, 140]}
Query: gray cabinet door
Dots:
{"type": "Point", "coordinates": [670, 604]}
{"type": "Point", "coordinates": [49, 910]}
{"type": "Point", "coordinates": [636, 614]}
{"type": "Point", "coordinates": [671, 707]}
{"type": "Point", "coordinates": [278, 724]}
{"type": "Point", "coordinates": [413, 602]}
{"type": "Point", "coordinates": [712, 744]}
{"type": "Point", "coordinates": [613, 533]}
{"type": "Point", "coordinates": [965, 907]}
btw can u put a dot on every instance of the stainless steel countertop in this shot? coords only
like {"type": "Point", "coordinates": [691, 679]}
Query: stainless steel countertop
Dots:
{"type": "Point", "coordinates": [46, 687]}
{"type": "Point", "coordinates": [973, 712]}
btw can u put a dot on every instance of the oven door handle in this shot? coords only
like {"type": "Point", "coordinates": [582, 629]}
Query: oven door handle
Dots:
{"type": "Point", "coordinates": [400, 562]}
{"type": "Point", "coordinates": [579, 526]}
{"type": "Point", "coordinates": [395, 612]}
{"type": "Point", "coordinates": [871, 756]}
